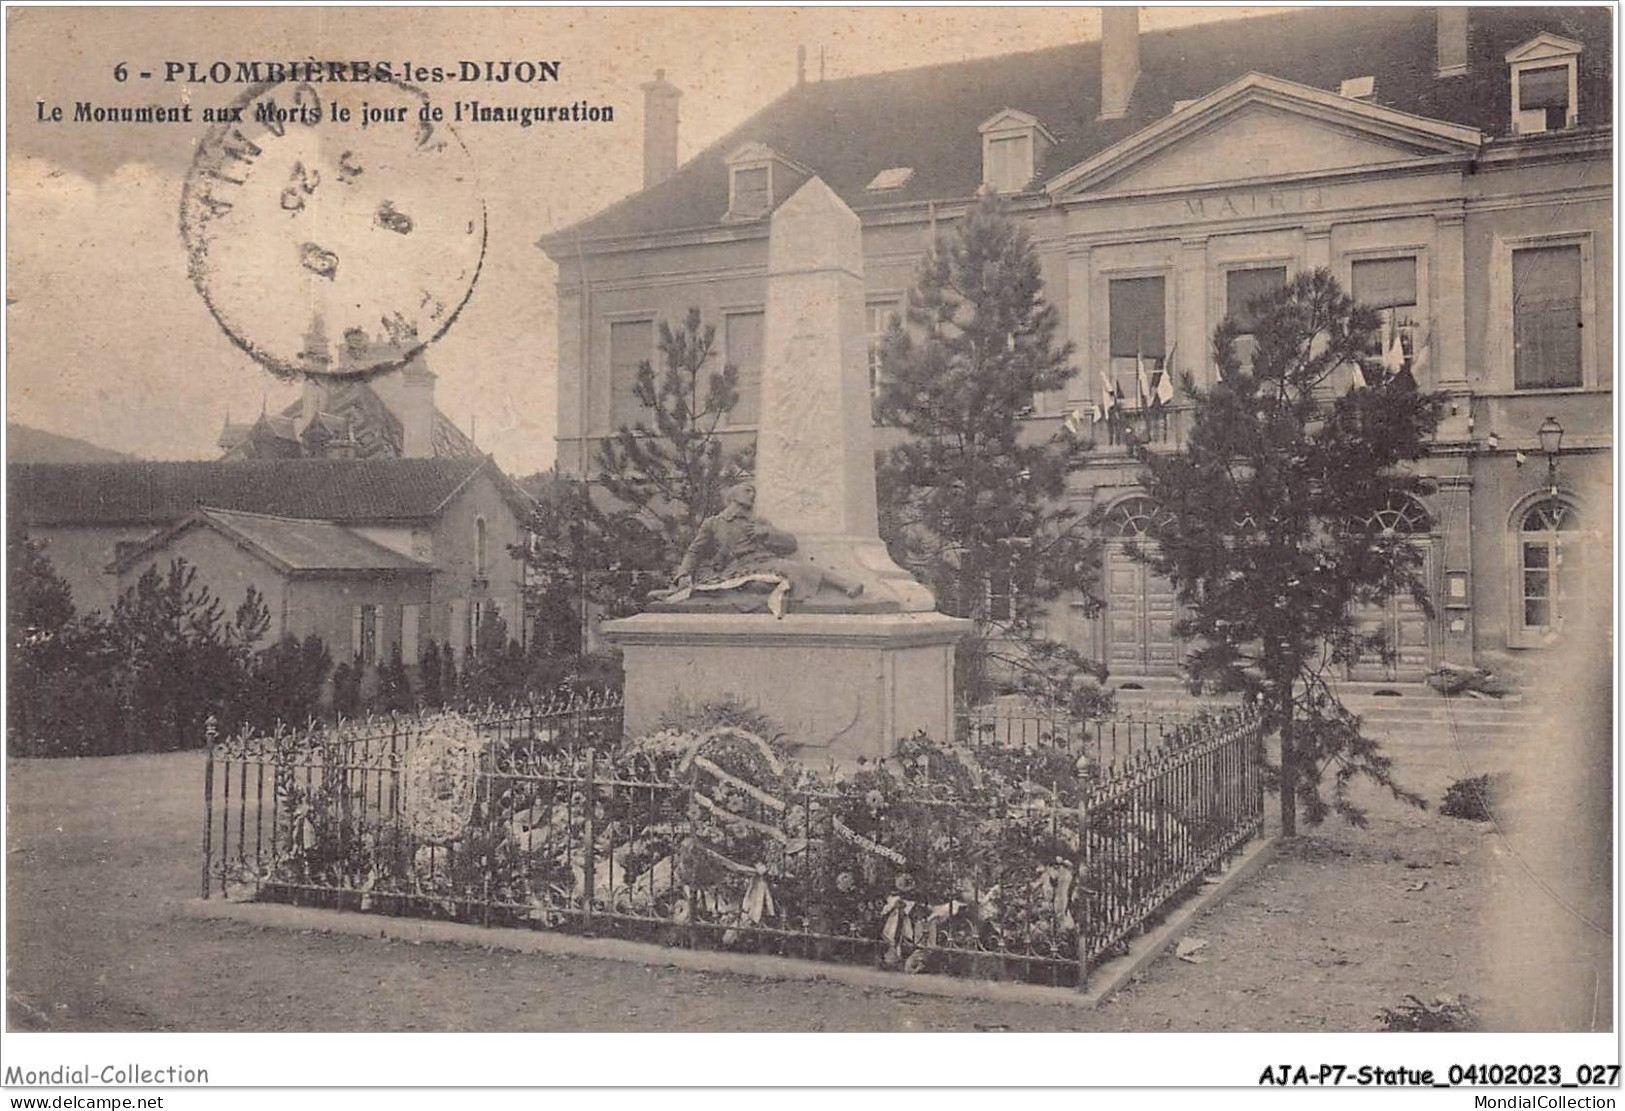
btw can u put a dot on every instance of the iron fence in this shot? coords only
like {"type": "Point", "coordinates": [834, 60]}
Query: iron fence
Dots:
{"type": "Point", "coordinates": [986, 856]}
{"type": "Point", "coordinates": [1108, 743]}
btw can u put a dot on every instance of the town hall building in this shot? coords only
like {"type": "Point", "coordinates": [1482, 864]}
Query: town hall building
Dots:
{"type": "Point", "coordinates": [1452, 167]}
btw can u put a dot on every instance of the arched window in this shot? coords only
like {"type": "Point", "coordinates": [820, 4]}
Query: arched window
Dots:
{"type": "Point", "coordinates": [1549, 578]}
{"type": "Point", "coordinates": [1403, 516]}
{"type": "Point", "coordinates": [1134, 519]}
{"type": "Point", "coordinates": [479, 548]}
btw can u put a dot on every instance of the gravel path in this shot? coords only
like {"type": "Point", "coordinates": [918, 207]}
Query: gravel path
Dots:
{"type": "Point", "coordinates": [102, 852]}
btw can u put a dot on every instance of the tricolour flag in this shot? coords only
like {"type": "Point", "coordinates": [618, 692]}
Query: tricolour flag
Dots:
{"type": "Point", "coordinates": [1393, 352]}
{"type": "Point", "coordinates": [1357, 381]}
{"type": "Point", "coordinates": [1096, 413]}
{"type": "Point", "coordinates": [1073, 422]}
{"type": "Point", "coordinates": [1421, 355]}
{"type": "Point", "coordinates": [1142, 382]}
{"type": "Point", "coordinates": [1108, 400]}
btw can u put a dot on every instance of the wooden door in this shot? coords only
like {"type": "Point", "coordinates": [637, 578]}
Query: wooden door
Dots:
{"type": "Point", "coordinates": [1407, 630]}
{"type": "Point", "coordinates": [1141, 609]}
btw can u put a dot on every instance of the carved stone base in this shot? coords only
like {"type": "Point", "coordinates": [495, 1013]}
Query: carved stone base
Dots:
{"type": "Point", "coordinates": [839, 685]}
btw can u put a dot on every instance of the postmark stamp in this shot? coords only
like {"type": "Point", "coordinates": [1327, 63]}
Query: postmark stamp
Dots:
{"type": "Point", "coordinates": [333, 230]}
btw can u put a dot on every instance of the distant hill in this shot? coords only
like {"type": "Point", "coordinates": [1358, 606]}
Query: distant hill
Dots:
{"type": "Point", "coordinates": [32, 445]}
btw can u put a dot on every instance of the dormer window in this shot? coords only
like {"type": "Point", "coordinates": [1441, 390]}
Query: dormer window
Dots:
{"type": "Point", "coordinates": [752, 192]}
{"type": "Point", "coordinates": [1013, 149]}
{"type": "Point", "coordinates": [886, 180]}
{"type": "Point", "coordinates": [758, 177]}
{"type": "Point", "coordinates": [1545, 84]}
{"type": "Point", "coordinates": [1358, 88]}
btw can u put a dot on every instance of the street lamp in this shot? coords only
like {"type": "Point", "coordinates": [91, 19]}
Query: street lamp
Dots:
{"type": "Point", "coordinates": [1551, 442]}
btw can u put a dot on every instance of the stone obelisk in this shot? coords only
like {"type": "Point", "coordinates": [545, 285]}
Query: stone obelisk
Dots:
{"type": "Point", "coordinates": [839, 684]}
{"type": "Point", "coordinates": [815, 456]}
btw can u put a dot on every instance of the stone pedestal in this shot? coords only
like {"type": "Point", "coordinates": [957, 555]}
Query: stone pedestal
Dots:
{"type": "Point", "coordinates": [839, 685]}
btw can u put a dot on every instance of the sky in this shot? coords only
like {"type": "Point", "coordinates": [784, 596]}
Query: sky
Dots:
{"type": "Point", "coordinates": [108, 340]}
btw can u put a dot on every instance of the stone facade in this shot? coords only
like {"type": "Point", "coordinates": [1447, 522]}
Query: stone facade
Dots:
{"type": "Point", "coordinates": [1485, 232]}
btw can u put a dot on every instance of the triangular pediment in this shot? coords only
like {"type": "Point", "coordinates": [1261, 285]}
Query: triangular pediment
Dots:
{"type": "Point", "coordinates": [1010, 119]}
{"type": "Point", "coordinates": [751, 152]}
{"type": "Point", "coordinates": [1261, 127]}
{"type": "Point", "coordinates": [1542, 46]}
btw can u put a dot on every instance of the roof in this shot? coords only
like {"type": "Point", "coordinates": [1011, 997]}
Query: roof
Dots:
{"type": "Point", "coordinates": [345, 491]}
{"type": "Point", "coordinates": [294, 546]}
{"type": "Point", "coordinates": [34, 445]}
{"type": "Point", "coordinates": [848, 130]}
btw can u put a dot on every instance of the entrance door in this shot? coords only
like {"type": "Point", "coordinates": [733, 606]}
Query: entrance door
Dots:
{"type": "Point", "coordinates": [1141, 607]}
{"type": "Point", "coordinates": [1407, 630]}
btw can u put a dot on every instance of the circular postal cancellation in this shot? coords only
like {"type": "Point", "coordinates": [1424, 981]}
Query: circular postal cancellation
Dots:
{"type": "Point", "coordinates": [333, 230]}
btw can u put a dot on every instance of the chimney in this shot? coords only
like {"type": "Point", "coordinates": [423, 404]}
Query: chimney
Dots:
{"type": "Point", "coordinates": [1119, 59]}
{"type": "Point", "coordinates": [659, 129]}
{"type": "Point", "coordinates": [415, 408]}
{"type": "Point", "coordinates": [1452, 31]}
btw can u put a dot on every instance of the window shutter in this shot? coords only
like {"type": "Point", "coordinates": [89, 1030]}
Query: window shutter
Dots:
{"type": "Point", "coordinates": [355, 631]}
{"type": "Point", "coordinates": [1243, 287]}
{"type": "Point", "coordinates": [1384, 283]}
{"type": "Point", "coordinates": [631, 342]}
{"type": "Point", "coordinates": [1546, 314]}
{"type": "Point", "coordinates": [750, 191]}
{"type": "Point", "coordinates": [1547, 87]}
{"type": "Point", "coordinates": [743, 349]}
{"type": "Point", "coordinates": [411, 616]}
{"type": "Point", "coordinates": [1137, 308]}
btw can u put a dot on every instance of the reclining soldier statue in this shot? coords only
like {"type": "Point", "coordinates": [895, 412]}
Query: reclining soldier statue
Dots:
{"type": "Point", "coordinates": [739, 561]}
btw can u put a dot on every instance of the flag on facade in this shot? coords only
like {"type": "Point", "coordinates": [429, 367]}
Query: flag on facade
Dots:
{"type": "Point", "coordinates": [1142, 383]}
{"type": "Point", "coordinates": [1393, 352]}
{"type": "Point", "coordinates": [1096, 414]}
{"type": "Point", "coordinates": [1108, 400]}
{"type": "Point", "coordinates": [1357, 382]}
{"type": "Point", "coordinates": [1165, 384]}
{"type": "Point", "coordinates": [1073, 422]}
{"type": "Point", "coordinates": [1419, 358]}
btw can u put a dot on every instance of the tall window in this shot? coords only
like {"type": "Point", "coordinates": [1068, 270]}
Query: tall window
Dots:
{"type": "Point", "coordinates": [365, 640]}
{"type": "Point", "coordinates": [631, 343]}
{"type": "Point", "coordinates": [1138, 317]}
{"type": "Point", "coordinates": [1546, 317]}
{"type": "Point", "coordinates": [742, 340]}
{"type": "Point", "coordinates": [881, 315]}
{"type": "Point", "coordinates": [1241, 289]}
{"type": "Point", "coordinates": [1548, 583]}
{"type": "Point", "coordinates": [1389, 286]}
{"type": "Point", "coordinates": [481, 569]}
{"type": "Point", "coordinates": [1010, 163]}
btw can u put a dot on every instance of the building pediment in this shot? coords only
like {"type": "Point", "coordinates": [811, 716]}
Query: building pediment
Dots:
{"type": "Point", "coordinates": [1261, 127]}
{"type": "Point", "coordinates": [1543, 46]}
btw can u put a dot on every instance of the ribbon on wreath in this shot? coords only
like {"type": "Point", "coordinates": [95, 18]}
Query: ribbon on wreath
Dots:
{"type": "Point", "coordinates": [758, 901]}
{"type": "Point", "coordinates": [1055, 880]}
{"type": "Point", "coordinates": [847, 833]}
{"type": "Point", "coordinates": [897, 925]}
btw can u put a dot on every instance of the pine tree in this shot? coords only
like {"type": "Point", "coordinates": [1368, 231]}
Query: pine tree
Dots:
{"type": "Point", "coordinates": [658, 479]}
{"type": "Point", "coordinates": [1271, 536]}
{"type": "Point", "coordinates": [970, 501]}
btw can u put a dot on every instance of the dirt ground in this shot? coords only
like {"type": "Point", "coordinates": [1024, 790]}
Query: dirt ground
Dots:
{"type": "Point", "coordinates": [101, 853]}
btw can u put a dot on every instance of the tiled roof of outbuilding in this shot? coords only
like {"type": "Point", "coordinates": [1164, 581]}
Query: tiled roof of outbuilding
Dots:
{"type": "Point", "coordinates": [848, 130]}
{"type": "Point", "coordinates": [292, 545]}
{"type": "Point", "coordinates": [164, 493]}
